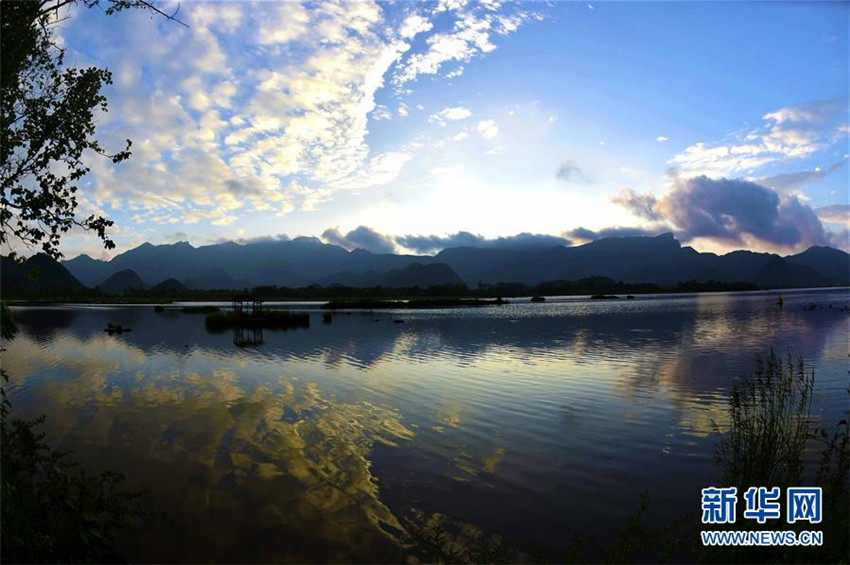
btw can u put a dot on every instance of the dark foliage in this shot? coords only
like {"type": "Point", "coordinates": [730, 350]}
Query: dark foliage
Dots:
{"type": "Point", "coordinates": [53, 509]}
{"type": "Point", "coordinates": [47, 125]}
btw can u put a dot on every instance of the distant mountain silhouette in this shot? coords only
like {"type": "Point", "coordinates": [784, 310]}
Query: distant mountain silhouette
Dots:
{"type": "Point", "coordinates": [415, 274]}
{"type": "Point", "coordinates": [121, 282]}
{"type": "Point", "coordinates": [38, 275]}
{"type": "Point", "coordinates": [305, 261]}
{"type": "Point", "coordinates": [169, 287]}
{"type": "Point", "coordinates": [831, 264]}
{"type": "Point", "coordinates": [780, 273]}
{"type": "Point", "coordinates": [214, 279]}
{"type": "Point", "coordinates": [90, 272]}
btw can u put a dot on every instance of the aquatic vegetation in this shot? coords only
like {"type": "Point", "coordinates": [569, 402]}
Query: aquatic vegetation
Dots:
{"type": "Point", "coordinates": [771, 427]}
{"type": "Point", "coordinates": [770, 413]}
{"type": "Point", "coordinates": [7, 322]}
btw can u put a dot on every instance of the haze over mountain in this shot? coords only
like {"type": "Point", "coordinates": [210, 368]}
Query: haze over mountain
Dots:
{"type": "Point", "coordinates": [306, 261]}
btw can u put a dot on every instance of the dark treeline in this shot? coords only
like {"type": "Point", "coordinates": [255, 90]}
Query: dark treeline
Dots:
{"type": "Point", "coordinates": [587, 286]}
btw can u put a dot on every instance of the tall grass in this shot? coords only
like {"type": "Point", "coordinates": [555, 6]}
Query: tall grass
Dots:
{"type": "Point", "coordinates": [770, 430]}
{"type": "Point", "coordinates": [769, 425]}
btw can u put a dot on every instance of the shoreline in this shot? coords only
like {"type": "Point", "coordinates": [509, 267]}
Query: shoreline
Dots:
{"type": "Point", "coordinates": [354, 299]}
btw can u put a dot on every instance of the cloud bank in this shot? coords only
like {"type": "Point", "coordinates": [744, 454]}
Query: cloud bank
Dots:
{"type": "Point", "coordinates": [434, 243]}
{"type": "Point", "coordinates": [362, 237]}
{"type": "Point", "coordinates": [584, 234]}
{"type": "Point", "coordinates": [730, 211]}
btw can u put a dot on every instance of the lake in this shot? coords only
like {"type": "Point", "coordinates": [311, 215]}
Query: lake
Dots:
{"type": "Point", "coordinates": [530, 421]}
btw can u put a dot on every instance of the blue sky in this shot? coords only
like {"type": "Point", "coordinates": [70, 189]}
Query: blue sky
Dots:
{"type": "Point", "coordinates": [368, 124]}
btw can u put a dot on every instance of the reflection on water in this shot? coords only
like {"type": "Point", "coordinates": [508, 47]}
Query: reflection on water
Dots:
{"type": "Point", "coordinates": [247, 336]}
{"type": "Point", "coordinates": [530, 421]}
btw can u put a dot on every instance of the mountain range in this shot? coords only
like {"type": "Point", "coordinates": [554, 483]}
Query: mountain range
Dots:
{"type": "Point", "coordinates": [302, 262]}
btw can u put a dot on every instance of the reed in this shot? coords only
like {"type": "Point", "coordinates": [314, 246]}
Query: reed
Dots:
{"type": "Point", "coordinates": [769, 425]}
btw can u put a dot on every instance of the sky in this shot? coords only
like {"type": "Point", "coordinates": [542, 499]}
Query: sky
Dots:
{"type": "Point", "coordinates": [412, 126]}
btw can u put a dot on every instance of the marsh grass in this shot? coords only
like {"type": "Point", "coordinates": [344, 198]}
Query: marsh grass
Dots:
{"type": "Point", "coordinates": [769, 425]}
{"type": "Point", "coordinates": [8, 327]}
{"type": "Point", "coordinates": [770, 431]}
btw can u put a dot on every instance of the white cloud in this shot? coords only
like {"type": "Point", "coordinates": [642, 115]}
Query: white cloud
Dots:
{"type": "Point", "coordinates": [288, 22]}
{"type": "Point", "coordinates": [381, 112]}
{"type": "Point", "coordinates": [469, 36]}
{"type": "Point", "coordinates": [380, 170]}
{"type": "Point", "coordinates": [450, 114]}
{"type": "Point", "coordinates": [787, 134]}
{"type": "Point", "coordinates": [455, 73]}
{"type": "Point", "coordinates": [414, 25]}
{"type": "Point", "coordinates": [661, 139]}
{"type": "Point", "coordinates": [488, 129]}
{"type": "Point", "coordinates": [266, 109]}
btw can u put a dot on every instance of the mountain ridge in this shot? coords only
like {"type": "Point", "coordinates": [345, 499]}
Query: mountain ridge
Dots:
{"type": "Point", "coordinates": [301, 262]}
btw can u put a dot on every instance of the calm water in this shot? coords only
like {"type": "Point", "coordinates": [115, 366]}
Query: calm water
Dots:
{"type": "Point", "coordinates": [529, 421]}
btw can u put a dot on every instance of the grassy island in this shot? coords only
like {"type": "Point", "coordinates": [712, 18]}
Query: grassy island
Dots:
{"type": "Point", "coordinates": [273, 319]}
{"type": "Point", "coordinates": [367, 304]}
{"type": "Point", "coordinates": [200, 309]}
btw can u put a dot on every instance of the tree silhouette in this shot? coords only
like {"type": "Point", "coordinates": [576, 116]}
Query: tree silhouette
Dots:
{"type": "Point", "coordinates": [48, 125]}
